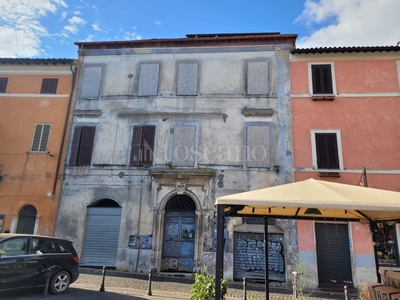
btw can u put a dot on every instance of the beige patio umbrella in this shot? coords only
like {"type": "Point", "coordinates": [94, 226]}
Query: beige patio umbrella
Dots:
{"type": "Point", "coordinates": [315, 199]}
{"type": "Point", "coordinates": [310, 200]}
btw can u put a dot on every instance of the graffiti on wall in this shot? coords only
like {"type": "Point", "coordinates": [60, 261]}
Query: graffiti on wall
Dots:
{"type": "Point", "coordinates": [209, 260]}
{"type": "Point", "coordinates": [250, 251]}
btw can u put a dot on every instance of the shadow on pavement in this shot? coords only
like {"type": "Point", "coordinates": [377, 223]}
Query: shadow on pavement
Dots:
{"type": "Point", "coordinates": [72, 294]}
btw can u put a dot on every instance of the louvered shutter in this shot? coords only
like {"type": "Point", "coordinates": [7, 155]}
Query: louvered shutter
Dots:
{"type": "Point", "coordinates": [3, 84]}
{"type": "Point", "coordinates": [49, 86]}
{"type": "Point", "coordinates": [86, 145]}
{"type": "Point", "coordinates": [327, 152]}
{"type": "Point", "coordinates": [148, 145]}
{"type": "Point", "coordinates": [36, 137]}
{"type": "Point", "coordinates": [322, 79]}
{"type": "Point", "coordinates": [75, 145]}
{"type": "Point", "coordinates": [327, 79]}
{"type": "Point", "coordinates": [45, 138]}
{"type": "Point", "coordinates": [136, 149]}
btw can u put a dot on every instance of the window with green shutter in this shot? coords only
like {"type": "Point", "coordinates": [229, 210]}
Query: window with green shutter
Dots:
{"type": "Point", "coordinates": [41, 138]}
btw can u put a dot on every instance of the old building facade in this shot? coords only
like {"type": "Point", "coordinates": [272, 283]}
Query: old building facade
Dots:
{"type": "Point", "coordinates": [346, 116]}
{"type": "Point", "coordinates": [35, 97]}
{"type": "Point", "coordinates": [163, 127]}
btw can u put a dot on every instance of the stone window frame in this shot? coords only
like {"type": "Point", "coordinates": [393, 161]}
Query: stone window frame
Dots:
{"type": "Point", "coordinates": [314, 148]}
{"type": "Point", "coordinates": [138, 71]}
{"type": "Point", "coordinates": [245, 71]}
{"type": "Point", "coordinates": [196, 140]}
{"type": "Point", "coordinates": [177, 73]}
{"type": "Point", "coordinates": [310, 78]}
{"type": "Point", "coordinates": [81, 79]}
{"type": "Point", "coordinates": [271, 126]}
{"type": "Point", "coordinates": [44, 139]}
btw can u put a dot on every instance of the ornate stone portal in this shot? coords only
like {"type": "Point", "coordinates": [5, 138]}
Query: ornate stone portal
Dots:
{"type": "Point", "coordinates": [169, 183]}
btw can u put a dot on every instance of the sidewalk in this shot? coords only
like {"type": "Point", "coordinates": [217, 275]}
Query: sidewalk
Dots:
{"type": "Point", "coordinates": [172, 287]}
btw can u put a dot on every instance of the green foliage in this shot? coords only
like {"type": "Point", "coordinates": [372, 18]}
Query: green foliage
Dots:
{"type": "Point", "coordinates": [300, 269]}
{"type": "Point", "coordinates": [203, 287]}
{"type": "Point", "coordinates": [364, 295]}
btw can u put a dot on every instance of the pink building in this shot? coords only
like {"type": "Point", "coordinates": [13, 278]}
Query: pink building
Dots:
{"type": "Point", "coordinates": [346, 116]}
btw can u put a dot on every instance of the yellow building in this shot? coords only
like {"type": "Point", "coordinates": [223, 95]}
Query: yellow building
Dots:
{"type": "Point", "coordinates": [35, 100]}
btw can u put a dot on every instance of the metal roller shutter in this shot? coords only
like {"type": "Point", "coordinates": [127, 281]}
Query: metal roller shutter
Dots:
{"type": "Point", "coordinates": [333, 254]}
{"type": "Point", "coordinates": [249, 256]}
{"type": "Point", "coordinates": [100, 242]}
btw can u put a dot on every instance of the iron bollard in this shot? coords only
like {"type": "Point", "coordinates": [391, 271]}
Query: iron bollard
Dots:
{"type": "Point", "coordinates": [345, 292]}
{"type": "Point", "coordinates": [244, 289]}
{"type": "Point", "coordinates": [46, 288]}
{"type": "Point", "coordinates": [150, 275]}
{"type": "Point", "coordinates": [104, 275]}
{"type": "Point", "coordinates": [294, 285]}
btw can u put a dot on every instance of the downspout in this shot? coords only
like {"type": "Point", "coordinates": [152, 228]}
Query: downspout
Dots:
{"type": "Point", "coordinates": [73, 71]}
{"type": "Point", "coordinates": [138, 223]}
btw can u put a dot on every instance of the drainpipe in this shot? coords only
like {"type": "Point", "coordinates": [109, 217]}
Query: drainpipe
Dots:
{"type": "Point", "coordinates": [138, 223]}
{"type": "Point", "coordinates": [73, 71]}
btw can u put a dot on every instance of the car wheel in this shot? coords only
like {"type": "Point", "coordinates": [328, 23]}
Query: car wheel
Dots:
{"type": "Point", "coordinates": [60, 282]}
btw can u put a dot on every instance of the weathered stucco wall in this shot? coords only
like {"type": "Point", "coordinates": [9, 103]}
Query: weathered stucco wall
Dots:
{"type": "Point", "coordinates": [215, 164]}
{"type": "Point", "coordinates": [365, 111]}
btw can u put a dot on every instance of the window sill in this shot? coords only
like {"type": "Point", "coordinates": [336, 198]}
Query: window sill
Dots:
{"type": "Point", "coordinates": [323, 98]}
{"type": "Point", "coordinates": [329, 174]}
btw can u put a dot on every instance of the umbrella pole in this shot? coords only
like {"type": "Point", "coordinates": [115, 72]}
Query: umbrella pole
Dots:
{"type": "Point", "coordinates": [266, 257]}
{"type": "Point", "coordinates": [219, 264]}
{"type": "Point", "coordinates": [372, 227]}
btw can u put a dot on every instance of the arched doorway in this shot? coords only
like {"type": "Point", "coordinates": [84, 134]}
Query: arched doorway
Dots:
{"type": "Point", "coordinates": [26, 219]}
{"type": "Point", "coordinates": [100, 243]}
{"type": "Point", "coordinates": [179, 235]}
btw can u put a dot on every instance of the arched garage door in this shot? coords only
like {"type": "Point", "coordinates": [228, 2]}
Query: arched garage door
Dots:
{"type": "Point", "coordinates": [100, 242]}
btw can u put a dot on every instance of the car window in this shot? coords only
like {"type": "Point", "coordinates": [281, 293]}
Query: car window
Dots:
{"type": "Point", "coordinates": [13, 247]}
{"type": "Point", "coordinates": [42, 246]}
{"type": "Point", "coordinates": [63, 249]}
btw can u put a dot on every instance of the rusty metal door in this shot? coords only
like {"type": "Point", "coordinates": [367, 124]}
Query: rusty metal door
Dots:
{"type": "Point", "coordinates": [178, 246]}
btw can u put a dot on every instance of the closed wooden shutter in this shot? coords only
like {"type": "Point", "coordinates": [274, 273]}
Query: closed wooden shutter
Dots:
{"type": "Point", "coordinates": [327, 151]}
{"type": "Point", "coordinates": [322, 79]}
{"type": "Point", "coordinates": [148, 145]}
{"type": "Point", "coordinates": [86, 145]}
{"type": "Point", "coordinates": [49, 86]}
{"type": "Point", "coordinates": [3, 84]}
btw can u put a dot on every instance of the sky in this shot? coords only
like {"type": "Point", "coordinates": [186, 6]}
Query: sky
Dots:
{"type": "Point", "coordinates": [49, 28]}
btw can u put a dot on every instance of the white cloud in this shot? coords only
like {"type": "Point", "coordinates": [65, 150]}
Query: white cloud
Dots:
{"type": "Point", "coordinates": [74, 25]}
{"type": "Point", "coordinates": [351, 23]}
{"type": "Point", "coordinates": [89, 38]}
{"type": "Point", "coordinates": [21, 31]}
{"type": "Point", "coordinates": [132, 36]}
{"type": "Point", "coordinates": [96, 27]}
{"type": "Point", "coordinates": [157, 22]}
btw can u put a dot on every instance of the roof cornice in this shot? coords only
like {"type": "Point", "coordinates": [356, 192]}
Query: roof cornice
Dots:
{"type": "Point", "coordinates": [196, 41]}
{"type": "Point", "coordinates": [360, 49]}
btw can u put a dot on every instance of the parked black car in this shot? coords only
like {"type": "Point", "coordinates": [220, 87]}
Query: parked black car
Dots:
{"type": "Point", "coordinates": [26, 259]}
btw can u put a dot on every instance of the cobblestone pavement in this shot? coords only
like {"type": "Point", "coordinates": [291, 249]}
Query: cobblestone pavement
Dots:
{"type": "Point", "coordinates": [181, 286]}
